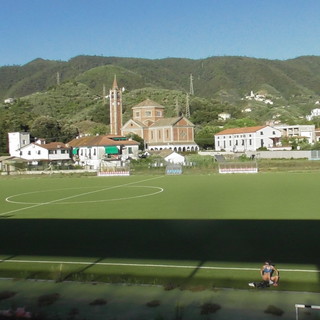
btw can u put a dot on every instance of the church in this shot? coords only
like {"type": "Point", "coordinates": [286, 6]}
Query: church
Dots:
{"type": "Point", "coordinates": [148, 122]}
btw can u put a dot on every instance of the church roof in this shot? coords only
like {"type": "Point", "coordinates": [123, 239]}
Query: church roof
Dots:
{"type": "Point", "coordinates": [164, 122]}
{"type": "Point", "coordinates": [148, 103]}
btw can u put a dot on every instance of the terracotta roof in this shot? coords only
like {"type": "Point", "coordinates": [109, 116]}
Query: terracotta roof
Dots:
{"type": "Point", "coordinates": [93, 141]}
{"type": "Point", "coordinates": [53, 146]}
{"type": "Point", "coordinates": [240, 130]}
{"type": "Point", "coordinates": [148, 103]}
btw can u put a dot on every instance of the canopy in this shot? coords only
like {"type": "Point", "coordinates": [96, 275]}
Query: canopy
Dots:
{"type": "Point", "coordinates": [111, 150]}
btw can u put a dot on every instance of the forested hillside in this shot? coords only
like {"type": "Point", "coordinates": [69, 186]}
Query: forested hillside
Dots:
{"type": "Point", "coordinates": [69, 95]}
{"type": "Point", "coordinates": [238, 74]}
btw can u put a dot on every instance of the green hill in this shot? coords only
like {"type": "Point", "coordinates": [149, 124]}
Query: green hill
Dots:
{"type": "Point", "coordinates": [240, 75]}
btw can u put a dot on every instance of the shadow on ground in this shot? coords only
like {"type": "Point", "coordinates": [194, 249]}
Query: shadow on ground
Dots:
{"type": "Point", "coordinates": [285, 241]}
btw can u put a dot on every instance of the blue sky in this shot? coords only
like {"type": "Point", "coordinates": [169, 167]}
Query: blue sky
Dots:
{"type": "Point", "coordinates": [154, 29]}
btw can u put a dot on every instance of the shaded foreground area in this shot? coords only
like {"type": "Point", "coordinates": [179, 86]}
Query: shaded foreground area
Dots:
{"type": "Point", "coordinates": [48, 300]}
{"type": "Point", "coordinates": [234, 241]}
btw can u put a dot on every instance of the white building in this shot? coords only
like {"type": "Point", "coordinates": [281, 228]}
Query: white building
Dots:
{"type": "Point", "coordinates": [175, 158]}
{"type": "Point", "coordinates": [247, 139]}
{"type": "Point", "coordinates": [45, 152]}
{"type": "Point", "coordinates": [224, 116]}
{"type": "Point", "coordinates": [17, 140]}
{"type": "Point", "coordinates": [314, 113]}
{"type": "Point", "coordinates": [39, 151]}
{"type": "Point", "coordinates": [97, 152]}
{"type": "Point", "coordinates": [299, 131]}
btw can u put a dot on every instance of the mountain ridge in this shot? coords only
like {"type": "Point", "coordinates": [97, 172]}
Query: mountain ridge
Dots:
{"type": "Point", "coordinates": [211, 75]}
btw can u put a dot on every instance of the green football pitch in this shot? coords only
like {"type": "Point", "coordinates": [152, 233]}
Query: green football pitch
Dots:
{"type": "Point", "coordinates": [211, 229]}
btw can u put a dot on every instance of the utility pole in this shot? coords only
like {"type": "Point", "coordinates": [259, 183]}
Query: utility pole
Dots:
{"type": "Point", "coordinates": [104, 94]}
{"type": "Point", "coordinates": [191, 85]}
{"type": "Point", "coordinates": [187, 107]}
{"type": "Point", "coordinates": [177, 108]}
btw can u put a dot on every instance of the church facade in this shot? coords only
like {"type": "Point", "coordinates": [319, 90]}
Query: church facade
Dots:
{"type": "Point", "coordinates": [158, 132]}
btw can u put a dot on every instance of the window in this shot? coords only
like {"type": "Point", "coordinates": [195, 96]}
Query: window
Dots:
{"type": "Point", "coordinates": [94, 151]}
{"type": "Point", "coordinates": [152, 135]}
{"type": "Point", "coordinates": [243, 142]}
{"type": "Point", "coordinates": [130, 150]}
{"type": "Point", "coordinates": [159, 134]}
{"type": "Point", "coordinates": [167, 133]}
{"type": "Point", "coordinates": [250, 142]}
{"type": "Point", "coordinates": [159, 113]}
{"type": "Point", "coordinates": [29, 153]}
{"type": "Point", "coordinates": [148, 114]}
{"type": "Point", "coordinates": [39, 152]}
{"type": "Point", "coordinates": [137, 114]}
{"type": "Point", "coordinates": [63, 151]}
{"type": "Point", "coordinates": [261, 133]}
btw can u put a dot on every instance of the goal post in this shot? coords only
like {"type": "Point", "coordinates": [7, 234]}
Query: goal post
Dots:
{"type": "Point", "coordinates": [306, 306]}
{"type": "Point", "coordinates": [173, 169]}
{"type": "Point", "coordinates": [238, 167]}
{"type": "Point", "coordinates": [113, 171]}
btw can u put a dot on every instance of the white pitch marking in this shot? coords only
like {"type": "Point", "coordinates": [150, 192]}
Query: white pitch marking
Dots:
{"type": "Point", "coordinates": [159, 190]}
{"type": "Point", "coordinates": [150, 265]}
{"type": "Point", "coordinates": [77, 195]}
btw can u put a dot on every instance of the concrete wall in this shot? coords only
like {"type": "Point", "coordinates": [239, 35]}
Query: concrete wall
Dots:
{"type": "Point", "coordinates": [281, 154]}
{"type": "Point", "coordinates": [263, 154]}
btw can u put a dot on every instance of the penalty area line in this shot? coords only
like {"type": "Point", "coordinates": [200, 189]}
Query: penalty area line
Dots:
{"type": "Point", "coordinates": [119, 264]}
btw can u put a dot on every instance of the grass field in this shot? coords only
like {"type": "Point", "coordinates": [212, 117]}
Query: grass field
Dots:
{"type": "Point", "coordinates": [214, 230]}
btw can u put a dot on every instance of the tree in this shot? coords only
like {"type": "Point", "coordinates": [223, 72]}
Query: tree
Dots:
{"type": "Point", "coordinates": [68, 132]}
{"type": "Point", "coordinates": [137, 138]}
{"type": "Point", "coordinates": [205, 137]}
{"type": "Point", "coordinates": [46, 127]}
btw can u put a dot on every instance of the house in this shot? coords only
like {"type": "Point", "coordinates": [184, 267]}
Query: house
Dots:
{"type": "Point", "coordinates": [298, 131]}
{"type": "Point", "coordinates": [314, 113]}
{"type": "Point", "coordinates": [10, 164]}
{"type": "Point", "coordinates": [96, 152]}
{"type": "Point", "coordinates": [40, 151]}
{"type": "Point", "coordinates": [170, 156]}
{"type": "Point", "coordinates": [247, 139]}
{"type": "Point", "coordinates": [224, 116]}
{"type": "Point", "coordinates": [174, 157]}
{"type": "Point", "coordinates": [158, 132]}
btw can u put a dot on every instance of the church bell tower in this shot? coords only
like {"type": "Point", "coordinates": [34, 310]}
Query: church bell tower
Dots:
{"type": "Point", "coordinates": [115, 109]}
